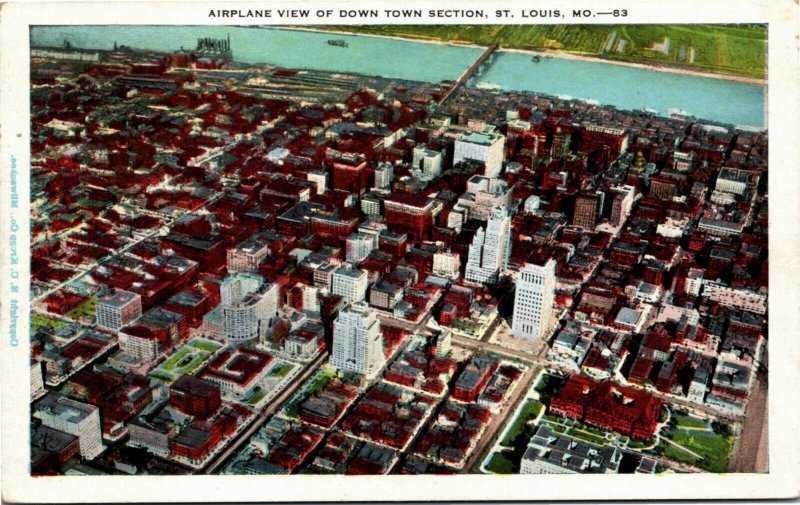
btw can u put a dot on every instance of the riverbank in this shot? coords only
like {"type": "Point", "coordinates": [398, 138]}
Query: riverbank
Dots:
{"type": "Point", "coordinates": [567, 55]}
{"type": "Point", "coordinates": [644, 66]}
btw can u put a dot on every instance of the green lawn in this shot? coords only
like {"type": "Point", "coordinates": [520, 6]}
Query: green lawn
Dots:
{"type": "Point", "coordinates": [735, 49]}
{"type": "Point", "coordinates": [186, 360]}
{"type": "Point", "coordinates": [500, 464]}
{"type": "Point", "coordinates": [281, 370]}
{"type": "Point", "coordinates": [174, 359]}
{"type": "Point", "coordinates": [85, 309]}
{"type": "Point", "coordinates": [205, 345]}
{"type": "Point", "coordinates": [587, 437]}
{"type": "Point", "coordinates": [315, 386]}
{"type": "Point", "coordinates": [638, 444]}
{"type": "Point", "coordinates": [690, 422]}
{"type": "Point", "coordinates": [715, 449]}
{"type": "Point", "coordinates": [38, 321]}
{"type": "Point", "coordinates": [256, 396]}
{"type": "Point", "coordinates": [528, 412]}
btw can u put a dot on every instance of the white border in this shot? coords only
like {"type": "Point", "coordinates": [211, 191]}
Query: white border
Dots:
{"type": "Point", "coordinates": [784, 241]}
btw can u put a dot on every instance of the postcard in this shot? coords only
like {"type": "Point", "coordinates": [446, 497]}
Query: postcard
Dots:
{"type": "Point", "coordinates": [328, 251]}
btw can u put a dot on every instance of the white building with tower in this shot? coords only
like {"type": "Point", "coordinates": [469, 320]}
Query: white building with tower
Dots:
{"type": "Point", "coordinates": [490, 249]}
{"type": "Point", "coordinates": [357, 341]}
{"type": "Point", "coordinates": [533, 302]}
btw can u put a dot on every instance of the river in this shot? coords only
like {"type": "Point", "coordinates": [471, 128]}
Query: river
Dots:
{"type": "Point", "coordinates": [623, 87]}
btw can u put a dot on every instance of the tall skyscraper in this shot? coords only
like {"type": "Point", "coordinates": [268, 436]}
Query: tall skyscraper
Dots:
{"type": "Point", "coordinates": [490, 249]}
{"type": "Point", "coordinates": [533, 303]}
{"type": "Point", "coordinates": [622, 202]}
{"type": "Point", "coordinates": [588, 207]}
{"type": "Point", "coordinates": [357, 341]}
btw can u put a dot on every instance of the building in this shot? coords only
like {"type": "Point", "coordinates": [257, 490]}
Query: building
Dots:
{"type": "Point", "coordinates": [248, 255]}
{"type": "Point", "coordinates": [606, 405]}
{"type": "Point", "coordinates": [37, 379]}
{"type": "Point", "coordinates": [237, 371]}
{"type": "Point", "coordinates": [489, 252]}
{"type": "Point", "coordinates": [588, 207]}
{"type": "Point", "coordinates": [447, 264]}
{"type": "Point", "coordinates": [117, 309]}
{"type": "Point", "coordinates": [384, 174]}
{"type": "Point", "coordinates": [736, 181]}
{"type": "Point", "coordinates": [358, 247]}
{"type": "Point", "coordinates": [485, 148]}
{"type": "Point", "coordinates": [426, 164]}
{"type": "Point", "coordinates": [560, 146]}
{"type": "Point", "coordinates": [248, 306]}
{"type": "Point", "coordinates": [621, 203]}
{"type": "Point", "coordinates": [76, 418]}
{"type": "Point", "coordinates": [156, 330]}
{"type": "Point", "coordinates": [245, 320]}
{"type": "Point", "coordinates": [694, 281]}
{"type": "Point", "coordinates": [235, 287]}
{"type": "Point", "coordinates": [533, 302]}
{"type": "Point", "coordinates": [483, 195]}
{"type": "Point", "coordinates": [551, 453]}
{"type": "Point", "coordinates": [357, 341]}
{"type": "Point", "coordinates": [350, 283]}
{"type": "Point", "coordinates": [743, 299]}
{"type": "Point", "coordinates": [195, 397]}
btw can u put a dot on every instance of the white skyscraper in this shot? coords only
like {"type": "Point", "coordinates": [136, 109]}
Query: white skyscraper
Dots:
{"type": "Point", "coordinates": [357, 341]}
{"type": "Point", "coordinates": [350, 283]}
{"type": "Point", "coordinates": [533, 303]}
{"type": "Point", "coordinates": [358, 247]}
{"type": "Point", "coordinates": [248, 304]}
{"type": "Point", "coordinates": [490, 249]}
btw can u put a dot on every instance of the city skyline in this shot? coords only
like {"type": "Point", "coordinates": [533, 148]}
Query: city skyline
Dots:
{"type": "Point", "coordinates": [265, 270]}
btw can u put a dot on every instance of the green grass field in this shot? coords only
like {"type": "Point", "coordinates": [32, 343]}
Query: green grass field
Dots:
{"type": "Point", "coordinates": [713, 449]}
{"type": "Point", "coordinates": [528, 412]}
{"type": "Point", "coordinates": [281, 370]}
{"type": "Point", "coordinates": [85, 309]}
{"type": "Point", "coordinates": [186, 361]}
{"type": "Point", "coordinates": [733, 49]}
{"type": "Point", "coordinates": [500, 464]}
{"type": "Point", "coordinates": [38, 321]}
{"type": "Point", "coordinates": [690, 422]}
{"type": "Point", "coordinates": [314, 386]}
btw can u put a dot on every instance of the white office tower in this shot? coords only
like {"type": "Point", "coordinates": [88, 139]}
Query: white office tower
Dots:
{"type": "Point", "coordinates": [357, 341]}
{"type": "Point", "coordinates": [350, 283]}
{"type": "Point", "coordinates": [76, 418]}
{"type": "Point", "coordinates": [488, 254]}
{"type": "Point", "coordinates": [311, 303]}
{"type": "Point", "coordinates": [384, 174]}
{"type": "Point", "coordinates": [426, 164]}
{"type": "Point", "coordinates": [359, 246]}
{"type": "Point", "coordinates": [118, 308]}
{"type": "Point", "coordinates": [533, 303]}
{"type": "Point", "coordinates": [486, 148]}
{"type": "Point", "coordinates": [248, 305]}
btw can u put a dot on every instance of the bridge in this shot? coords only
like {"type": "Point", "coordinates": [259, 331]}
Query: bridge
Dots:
{"type": "Point", "coordinates": [468, 73]}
